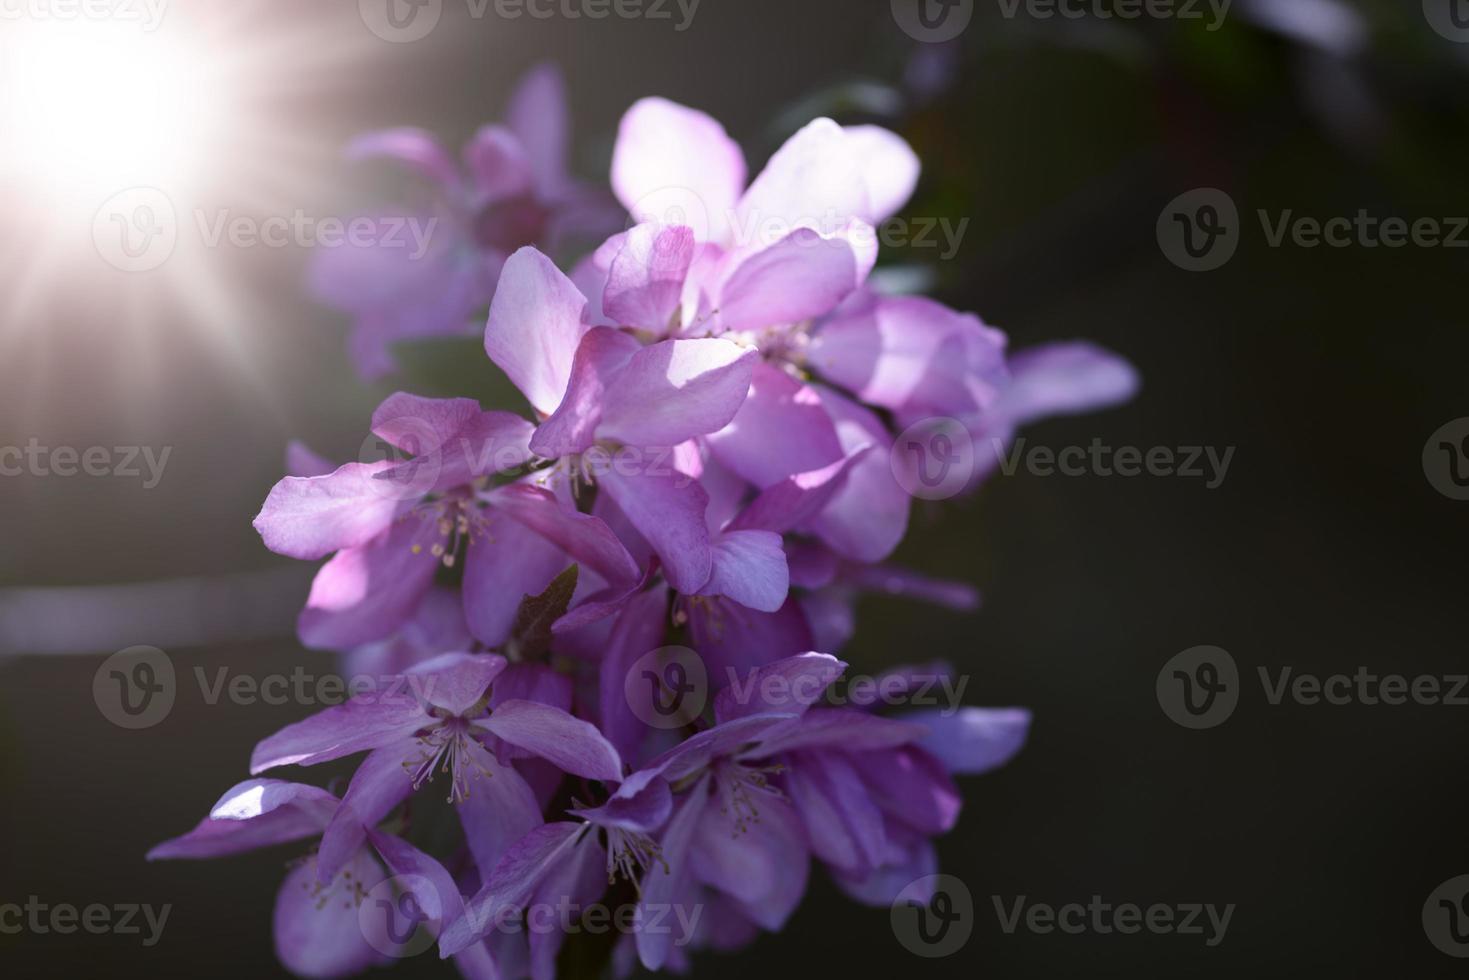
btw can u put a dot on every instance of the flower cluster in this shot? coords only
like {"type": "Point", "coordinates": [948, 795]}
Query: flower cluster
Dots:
{"type": "Point", "coordinates": [705, 473]}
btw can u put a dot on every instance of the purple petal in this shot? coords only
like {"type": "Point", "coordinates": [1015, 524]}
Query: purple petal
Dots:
{"type": "Point", "coordinates": [671, 158]}
{"type": "Point", "coordinates": [973, 740]}
{"type": "Point", "coordinates": [572, 884]}
{"type": "Point", "coordinates": [252, 814]}
{"type": "Point", "coordinates": [851, 731]}
{"type": "Point", "coordinates": [868, 516]}
{"type": "Point", "coordinates": [697, 751]}
{"type": "Point", "coordinates": [539, 117]}
{"type": "Point", "coordinates": [525, 864]}
{"type": "Point", "coordinates": [639, 628]}
{"type": "Point", "coordinates": [911, 786]}
{"type": "Point", "coordinates": [730, 636]}
{"type": "Point", "coordinates": [414, 148]}
{"type": "Point", "coordinates": [534, 326]}
{"type": "Point", "coordinates": [600, 355]}
{"type": "Point", "coordinates": [662, 883]}
{"type": "Point", "coordinates": [646, 280]}
{"type": "Point", "coordinates": [906, 351]}
{"type": "Point", "coordinates": [1065, 379]}
{"type": "Point", "coordinates": [317, 930]}
{"type": "Point", "coordinates": [498, 165]}
{"type": "Point", "coordinates": [379, 784]}
{"type": "Point", "coordinates": [815, 176]}
{"type": "Point", "coordinates": [750, 568]}
{"type": "Point", "coordinates": [575, 746]}
{"type": "Point", "coordinates": [667, 508]}
{"type": "Point", "coordinates": [803, 276]}
{"type": "Point", "coordinates": [501, 568]}
{"type": "Point", "coordinates": [779, 431]}
{"type": "Point", "coordinates": [881, 887]}
{"type": "Point", "coordinates": [438, 897]}
{"type": "Point", "coordinates": [455, 682]}
{"type": "Point", "coordinates": [675, 390]}
{"type": "Point", "coordinates": [791, 685]}
{"type": "Point", "coordinates": [368, 721]}
{"type": "Point", "coordinates": [896, 581]}
{"type": "Point", "coordinates": [311, 517]}
{"type": "Point", "coordinates": [797, 499]}
{"type": "Point", "coordinates": [582, 536]}
{"type": "Point", "coordinates": [764, 865]}
{"type": "Point", "coordinates": [420, 425]}
{"type": "Point", "coordinates": [844, 825]}
{"type": "Point", "coordinates": [639, 806]}
{"type": "Point", "coordinates": [890, 169]}
{"type": "Point", "coordinates": [500, 809]}
{"type": "Point", "coordinates": [366, 594]}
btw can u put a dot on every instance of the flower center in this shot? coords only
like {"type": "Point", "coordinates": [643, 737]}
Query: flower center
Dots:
{"type": "Point", "coordinates": [740, 788]}
{"type": "Point", "coordinates": [629, 852]}
{"type": "Point", "coordinates": [344, 885]}
{"type": "Point", "coordinates": [459, 523]}
{"type": "Point", "coordinates": [447, 748]}
{"type": "Point", "coordinates": [510, 224]}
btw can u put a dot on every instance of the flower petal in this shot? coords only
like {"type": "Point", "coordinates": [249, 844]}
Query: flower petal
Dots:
{"type": "Point", "coordinates": [252, 814]}
{"type": "Point", "coordinates": [379, 784]}
{"type": "Point", "coordinates": [539, 117]}
{"type": "Point", "coordinates": [646, 280]}
{"type": "Point", "coordinates": [600, 355]}
{"type": "Point", "coordinates": [669, 156]}
{"type": "Point", "coordinates": [973, 740]}
{"type": "Point", "coordinates": [800, 277]}
{"type": "Point", "coordinates": [414, 148]}
{"type": "Point", "coordinates": [673, 391]}
{"type": "Point", "coordinates": [867, 517]}
{"type": "Point", "coordinates": [510, 886]}
{"type": "Point", "coordinates": [791, 684]}
{"type": "Point", "coordinates": [750, 568]}
{"type": "Point", "coordinates": [500, 809]}
{"type": "Point", "coordinates": [780, 430]}
{"type": "Point", "coordinates": [814, 180]}
{"type": "Point", "coordinates": [498, 164]}
{"type": "Point", "coordinates": [368, 721]}
{"type": "Point", "coordinates": [366, 594]}
{"type": "Point", "coordinates": [506, 564]}
{"type": "Point", "coordinates": [667, 508]}
{"type": "Point", "coordinates": [534, 326]}
{"type": "Point", "coordinates": [890, 169]}
{"type": "Point", "coordinates": [1065, 379]}
{"type": "Point", "coordinates": [318, 932]}
{"type": "Point", "coordinates": [797, 499]}
{"type": "Point", "coordinates": [573, 745]}
{"type": "Point", "coordinates": [582, 536]}
{"type": "Point", "coordinates": [311, 517]}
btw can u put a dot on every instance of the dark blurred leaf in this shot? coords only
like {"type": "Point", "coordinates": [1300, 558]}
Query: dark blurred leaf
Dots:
{"type": "Point", "coordinates": [531, 637]}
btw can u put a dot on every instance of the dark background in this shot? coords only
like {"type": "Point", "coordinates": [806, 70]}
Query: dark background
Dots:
{"type": "Point", "coordinates": [1325, 549]}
